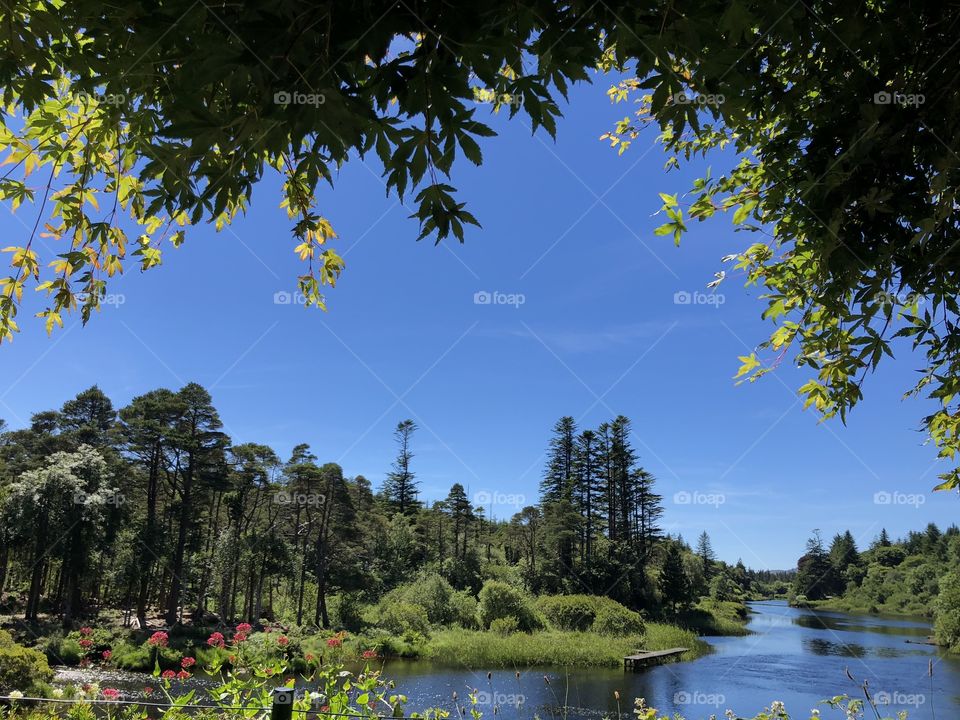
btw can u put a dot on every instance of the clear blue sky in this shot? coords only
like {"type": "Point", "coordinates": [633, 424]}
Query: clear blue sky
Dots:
{"type": "Point", "coordinates": [569, 226]}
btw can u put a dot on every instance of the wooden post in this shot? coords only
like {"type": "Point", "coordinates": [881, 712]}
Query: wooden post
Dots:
{"type": "Point", "coordinates": [282, 707]}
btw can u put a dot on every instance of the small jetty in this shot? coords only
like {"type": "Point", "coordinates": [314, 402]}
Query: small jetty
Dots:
{"type": "Point", "coordinates": [644, 658]}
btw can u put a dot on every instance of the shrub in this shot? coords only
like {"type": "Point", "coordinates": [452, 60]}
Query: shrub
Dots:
{"type": "Point", "coordinates": [505, 626]}
{"type": "Point", "coordinates": [62, 651]}
{"type": "Point", "coordinates": [430, 591]}
{"type": "Point", "coordinates": [21, 668]}
{"type": "Point", "coordinates": [499, 600]}
{"type": "Point", "coordinates": [405, 617]}
{"type": "Point", "coordinates": [947, 624]}
{"type": "Point", "coordinates": [568, 612]}
{"type": "Point", "coordinates": [347, 611]}
{"type": "Point", "coordinates": [463, 609]}
{"type": "Point", "coordinates": [618, 621]}
{"type": "Point", "coordinates": [132, 657]}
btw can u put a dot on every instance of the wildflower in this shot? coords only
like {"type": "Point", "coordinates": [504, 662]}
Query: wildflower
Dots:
{"type": "Point", "coordinates": [233, 659]}
{"type": "Point", "coordinates": [369, 654]}
{"type": "Point", "coordinates": [159, 639]}
{"type": "Point", "coordinates": [334, 642]}
{"type": "Point", "coordinates": [168, 675]}
{"type": "Point", "coordinates": [183, 675]}
{"type": "Point", "coordinates": [244, 628]}
{"type": "Point", "coordinates": [106, 654]}
{"type": "Point", "coordinates": [85, 662]}
{"type": "Point", "coordinates": [216, 640]}
{"type": "Point", "coordinates": [16, 695]}
{"type": "Point", "coordinates": [110, 694]}
{"type": "Point", "coordinates": [239, 637]}
{"type": "Point", "coordinates": [86, 631]}
{"type": "Point", "coordinates": [283, 641]}
{"type": "Point", "coordinates": [56, 693]}
{"type": "Point", "coordinates": [325, 708]}
{"type": "Point", "coordinates": [86, 643]}
{"type": "Point", "coordinates": [148, 690]}
{"type": "Point", "coordinates": [187, 662]}
{"type": "Point", "coordinates": [309, 657]}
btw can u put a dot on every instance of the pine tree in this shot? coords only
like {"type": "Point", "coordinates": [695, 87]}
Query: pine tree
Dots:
{"type": "Point", "coordinates": [559, 472]}
{"type": "Point", "coordinates": [647, 511]}
{"type": "Point", "coordinates": [815, 575]}
{"type": "Point", "coordinates": [588, 470]}
{"type": "Point", "coordinates": [400, 488]}
{"type": "Point", "coordinates": [673, 578]}
{"type": "Point", "coordinates": [706, 555]}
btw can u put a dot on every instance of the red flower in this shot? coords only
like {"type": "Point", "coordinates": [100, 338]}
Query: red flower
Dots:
{"type": "Point", "coordinates": [309, 657]}
{"type": "Point", "coordinates": [334, 642]}
{"type": "Point", "coordinates": [233, 659]}
{"type": "Point", "coordinates": [159, 639]}
{"type": "Point", "coordinates": [106, 654]}
{"type": "Point", "coordinates": [168, 674]}
{"type": "Point", "coordinates": [111, 694]}
{"type": "Point", "coordinates": [86, 631]}
{"type": "Point", "coordinates": [216, 640]}
{"type": "Point", "coordinates": [239, 637]}
{"type": "Point", "coordinates": [244, 628]}
{"type": "Point", "coordinates": [183, 675]}
{"type": "Point", "coordinates": [86, 643]}
{"type": "Point", "coordinates": [148, 690]}
{"type": "Point", "coordinates": [369, 654]}
{"type": "Point", "coordinates": [325, 708]}
{"type": "Point", "coordinates": [283, 641]}
{"type": "Point", "coordinates": [187, 662]}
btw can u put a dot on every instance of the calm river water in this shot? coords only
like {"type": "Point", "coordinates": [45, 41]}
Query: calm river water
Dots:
{"type": "Point", "coordinates": [795, 656]}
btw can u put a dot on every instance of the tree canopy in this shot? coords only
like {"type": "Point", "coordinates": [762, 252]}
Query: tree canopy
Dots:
{"type": "Point", "coordinates": [142, 121]}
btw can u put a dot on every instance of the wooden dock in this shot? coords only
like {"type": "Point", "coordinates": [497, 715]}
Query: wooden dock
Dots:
{"type": "Point", "coordinates": [643, 658]}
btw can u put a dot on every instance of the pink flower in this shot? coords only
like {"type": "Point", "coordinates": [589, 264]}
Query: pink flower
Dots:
{"type": "Point", "coordinates": [183, 675]}
{"type": "Point", "coordinates": [110, 694]}
{"type": "Point", "coordinates": [216, 640]}
{"type": "Point", "coordinates": [334, 642]}
{"type": "Point", "coordinates": [325, 708]}
{"type": "Point", "coordinates": [283, 641]}
{"type": "Point", "coordinates": [86, 643]}
{"type": "Point", "coordinates": [106, 654]}
{"type": "Point", "coordinates": [86, 631]}
{"type": "Point", "coordinates": [159, 639]}
{"type": "Point", "coordinates": [239, 637]}
{"type": "Point", "coordinates": [168, 674]}
{"type": "Point", "coordinates": [187, 662]}
{"type": "Point", "coordinates": [244, 628]}
{"type": "Point", "coordinates": [309, 657]}
{"type": "Point", "coordinates": [148, 690]}
{"type": "Point", "coordinates": [369, 654]}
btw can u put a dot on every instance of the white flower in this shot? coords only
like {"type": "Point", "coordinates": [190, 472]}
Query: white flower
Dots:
{"type": "Point", "coordinates": [16, 695]}
{"type": "Point", "coordinates": [56, 693]}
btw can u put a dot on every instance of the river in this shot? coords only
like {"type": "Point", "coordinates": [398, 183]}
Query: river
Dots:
{"type": "Point", "coordinates": [796, 656]}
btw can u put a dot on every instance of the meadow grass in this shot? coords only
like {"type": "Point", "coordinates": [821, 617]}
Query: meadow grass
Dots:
{"type": "Point", "coordinates": [555, 647]}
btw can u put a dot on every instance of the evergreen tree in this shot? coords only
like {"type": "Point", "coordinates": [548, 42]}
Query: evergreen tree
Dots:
{"type": "Point", "coordinates": [400, 488]}
{"type": "Point", "coordinates": [706, 555]}
{"type": "Point", "coordinates": [559, 473]}
{"type": "Point", "coordinates": [815, 576]}
{"type": "Point", "coordinates": [674, 588]}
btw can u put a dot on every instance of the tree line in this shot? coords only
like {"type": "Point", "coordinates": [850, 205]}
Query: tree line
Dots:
{"type": "Point", "coordinates": [153, 510]}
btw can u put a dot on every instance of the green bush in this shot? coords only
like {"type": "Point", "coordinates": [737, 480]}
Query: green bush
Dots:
{"type": "Point", "coordinates": [947, 623]}
{"type": "Point", "coordinates": [430, 591]}
{"type": "Point", "coordinates": [404, 618]}
{"type": "Point", "coordinates": [617, 621]}
{"type": "Point", "coordinates": [61, 651]}
{"type": "Point", "coordinates": [347, 611]}
{"type": "Point", "coordinates": [21, 668]}
{"type": "Point", "coordinates": [505, 626]}
{"type": "Point", "coordinates": [568, 612]}
{"type": "Point", "coordinates": [463, 609]}
{"type": "Point", "coordinates": [132, 657]}
{"type": "Point", "coordinates": [499, 600]}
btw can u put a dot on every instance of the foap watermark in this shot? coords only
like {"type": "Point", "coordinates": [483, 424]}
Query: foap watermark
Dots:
{"type": "Point", "coordinates": [895, 98]}
{"type": "Point", "coordinates": [483, 297]}
{"type": "Point", "coordinates": [288, 97]}
{"type": "Point", "coordinates": [900, 298]}
{"type": "Point", "coordinates": [683, 297]}
{"type": "Point", "coordinates": [698, 698]}
{"type": "Point", "coordinates": [491, 97]}
{"type": "Point", "coordinates": [500, 699]}
{"type": "Point", "coordinates": [486, 498]}
{"type": "Point", "coordinates": [115, 299]}
{"type": "Point", "coordinates": [685, 497]}
{"type": "Point", "coordinates": [100, 98]}
{"type": "Point", "coordinates": [694, 98]}
{"type": "Point", "coordinates": [899, 498]}
{"type": "Point", "coordinates": [282, 297]}
{"type": "Point", "coordinates": [109, 497]}
{"type": "Point", "coordinates": [300, 499]}
{"type": "Point", "coordinates": [899, 699]}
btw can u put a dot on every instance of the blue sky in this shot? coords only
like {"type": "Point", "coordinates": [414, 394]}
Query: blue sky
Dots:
{"type": "Point", "coordinates": [567, 225]}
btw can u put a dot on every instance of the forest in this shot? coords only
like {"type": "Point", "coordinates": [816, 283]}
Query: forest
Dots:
{"type": "Point", "coordinates": [150, 516]}
{"type": "Point", "coordinates": [915, 575]}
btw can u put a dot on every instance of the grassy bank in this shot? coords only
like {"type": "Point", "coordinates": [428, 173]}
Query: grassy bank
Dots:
{"type": "Point", "coordinates": [555, 647]}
